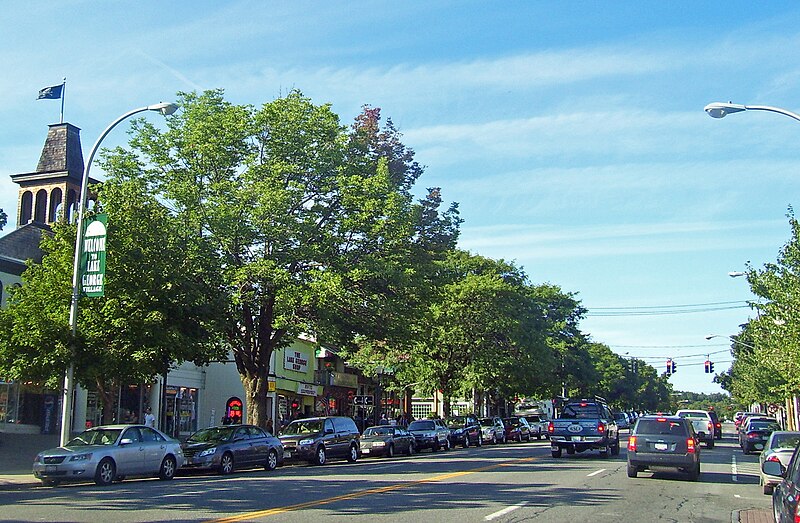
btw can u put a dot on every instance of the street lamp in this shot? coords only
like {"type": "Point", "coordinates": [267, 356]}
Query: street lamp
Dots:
{"type": "Point", "coordinates": [737, 274]}
{"type": "Point", "coordinates": [721, 109]}
{"type": "Point", "coordinates": [66, 405]}
{"type": "Point", "coordinates": [712, 336]}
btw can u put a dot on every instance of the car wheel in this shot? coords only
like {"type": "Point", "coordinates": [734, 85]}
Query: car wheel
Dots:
{"type": "Point", "coordinates": [694, 474]}
{"type": "Point", "coordinates": [556, 452]}
{"type": "Point", "coordinates": [605, 451]}
{"type": "Point", "coordinates": [168, 467]}
{"type": "Point", "coordinates": [272, 460]}
{"type": "Point", "coordinates": [447, 444]}
{"type": "Point", "coordinates": [390, 451]}
{"type": "Point", "coordinates": [226, 464]}
{"type": "Point", "coordinates": [105, 473]}
{"type": "Point", "coordinates": [632, 471]}
{"type": "Point", "coordinates": [615, 447]}
{"type": "Point", "coordinates": [352, 457]}
{"type": "Point", "coordinates": [538, 437]}
{"type": "Point", "coordinates": [768, 489]}
{"type": "Point", "coordinates": [319, 456]}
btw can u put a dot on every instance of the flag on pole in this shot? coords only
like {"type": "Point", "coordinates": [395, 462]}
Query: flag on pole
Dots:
{"type": "Point", "coordinates": [51, 93]}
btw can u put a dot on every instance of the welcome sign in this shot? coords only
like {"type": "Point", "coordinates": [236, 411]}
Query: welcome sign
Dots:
{"type": "Point", "coordinates": [93, 257]}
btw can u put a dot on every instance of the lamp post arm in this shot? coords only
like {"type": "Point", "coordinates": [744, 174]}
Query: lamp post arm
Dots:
{"type": "Point", "coordinates": [771, 109]}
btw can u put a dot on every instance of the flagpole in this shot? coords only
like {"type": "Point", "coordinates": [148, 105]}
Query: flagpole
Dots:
{"type": "Point", "coordinates": [63, 95]}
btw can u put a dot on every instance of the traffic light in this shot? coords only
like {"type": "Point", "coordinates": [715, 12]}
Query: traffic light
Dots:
{"type": "Point", "coordinates": [670, 366]}
{"type": "Point", "coordinates": [711, 367]}
{"type": "Point", "coordinates": [707, 366]}
{"type": "Point", "coordinates": [295, 404]}
{"type": "Point", "coordinates": [673, 367]}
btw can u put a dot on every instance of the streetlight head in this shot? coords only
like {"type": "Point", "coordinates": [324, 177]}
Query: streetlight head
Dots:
{"type": "Point", "coordinates": [721, 109]}
{"type": "Point", "coordinates": [164, 108]}
{"type": "Point", "coordinates": [710, 336]}
{"type": "Point", "coordinates": [736, 274]}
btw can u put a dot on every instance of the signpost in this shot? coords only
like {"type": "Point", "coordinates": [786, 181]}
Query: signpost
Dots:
{"type": "Point", "coordinates": [366, 401]}
{"type": "Point", "coordinates": [93, 257]}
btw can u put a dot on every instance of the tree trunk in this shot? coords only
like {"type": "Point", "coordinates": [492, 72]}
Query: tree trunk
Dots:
{"type": "Point", "coordinates": [107, 398]}
{"type": "Point", "coordinates": [255, 389]}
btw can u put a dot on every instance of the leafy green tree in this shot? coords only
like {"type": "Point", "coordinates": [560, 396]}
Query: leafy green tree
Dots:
{"type": "Point", "coordinates": [3, 219]}
{"type": "Point", "coordinates": [313, 224]}
{"type": "Point", "coordinates": [156, 310]}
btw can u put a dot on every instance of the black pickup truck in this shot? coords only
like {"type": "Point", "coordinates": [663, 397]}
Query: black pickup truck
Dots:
{"type": "Point", "coordinates": [584, 425]}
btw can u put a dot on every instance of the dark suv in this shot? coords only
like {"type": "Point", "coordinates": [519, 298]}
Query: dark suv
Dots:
{"type": "Point", "coordinates": [317, 439]}
{"type": "Point", "coordinates": [663, 441]}
{"type": "Point", "coordinates": [464, 430]}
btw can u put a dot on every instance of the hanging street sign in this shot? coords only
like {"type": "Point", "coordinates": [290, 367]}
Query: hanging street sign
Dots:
{"type": "Point", "coordinates": [93, 257]}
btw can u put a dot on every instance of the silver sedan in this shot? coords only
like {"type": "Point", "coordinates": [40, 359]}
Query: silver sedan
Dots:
{"type": "Point", "coordinates": [109, 453]}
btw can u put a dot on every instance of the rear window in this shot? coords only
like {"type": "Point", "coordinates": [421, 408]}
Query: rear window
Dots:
{"type": "Point", "coordinates": [580, 410]}
{"type": "Point", "coordinates": [666, 426]}
{"type": "Point", "coordinates": [786, 441]}
{"type": "Point", "coordinates": [421, 425]}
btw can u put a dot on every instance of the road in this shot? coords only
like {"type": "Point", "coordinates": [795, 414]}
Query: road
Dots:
{"type": "Point", "coordinates": [500, 483]}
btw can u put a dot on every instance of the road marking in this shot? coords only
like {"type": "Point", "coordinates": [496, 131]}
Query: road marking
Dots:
{"type": "Point", "coordinates": [734, 472]}
{"type": "Point", "coordinates": [505, 511]}
{"type": "Point", "coordinates": [369, 492]}
{"type": "Point", "coordinates": [596, 472]}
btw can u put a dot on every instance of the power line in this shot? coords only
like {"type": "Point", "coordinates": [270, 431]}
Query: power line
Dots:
{"type": "Point", "coordinates": [661, 310]}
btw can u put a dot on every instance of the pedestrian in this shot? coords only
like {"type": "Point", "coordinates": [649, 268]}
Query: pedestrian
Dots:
{"type": "Point", "coordinates": [269, 425]}
{"type": "Point", "coordinates": [149, 419]}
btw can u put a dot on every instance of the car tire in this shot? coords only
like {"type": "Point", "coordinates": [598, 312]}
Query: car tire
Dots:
{"type": "Point", "coordinates": [168, 468]}
{"type": "Point", "coordinates": [319, 456]}
{"type": "Point", "coordinates": [632, 471]}
{"type": "Point", "coordinates": [390, 451]}
{"type": "Point", "coordinates": [694, 474]}
{"type": "Point", "coordinates": [615, 447]}
{"type": "Point", "coordinates": [226, 465]}
{"type": "Point", "coordinates": [352, 456]}
{"type": "Point", "coordinates": [435, 447]}
{"type": "Point", "coordinates": [447, 444]}
{"type": "Point", "coordinates": [105, 473]}
{"type": "Point", "coordinates": [605, 451]}
{"type": "Point", "coordinates": [556, 453]}
{"type": "Point", "coordinates": [272, 460]}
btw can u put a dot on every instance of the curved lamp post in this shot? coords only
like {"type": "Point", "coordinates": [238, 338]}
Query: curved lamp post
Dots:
{"type": "Point", "coordinates": [712, 336]}
{"type": "Point", "coordinates": [722, 109]}
{"type": "Point", "coordinates": [66, 404]}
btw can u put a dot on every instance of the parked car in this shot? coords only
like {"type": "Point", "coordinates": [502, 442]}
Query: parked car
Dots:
{"type": "Point", "coordinates": [622, 419]}
{"type": "Point", "coordinates": [779, 447]}
{"type": "Point", "coordinates": [663, 442]}
{"type": "Point", "coordinates": [786, 493]}
{"type": "Point", "coordinates": [755, 433]}
{"type": "Point", "coordinates": [464, 430]}
{"type": "Point", "coordinates": [386, 440]}
{"type": "Point", "coordinates": [317, 439]}
{"type": "Point", "coordinates": [493, 430]}
{"type": "Point", "coordinates": [538, 425]}
{"type": "Point", "coordinates": [110, 453]}
{"type": "Point", "coordinates": [230, 447]}
{"type": "Point", "coordinates": [517, 429]}
{"type": "Point", "coordinates": [702, 424]}
{"type": "Point", "coordinates": [430, 434]}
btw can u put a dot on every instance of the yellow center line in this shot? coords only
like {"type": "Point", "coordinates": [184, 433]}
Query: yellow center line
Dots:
{"type": "Point", "coordinates": [362, 493]}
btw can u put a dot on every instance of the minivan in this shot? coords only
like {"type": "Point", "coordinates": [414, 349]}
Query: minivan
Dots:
{"type": "Point", "coordinates": [318, 439]}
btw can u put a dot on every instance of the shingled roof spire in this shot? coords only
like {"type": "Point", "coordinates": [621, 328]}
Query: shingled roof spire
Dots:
{"type": "Point", "coordinates": [62, 151]}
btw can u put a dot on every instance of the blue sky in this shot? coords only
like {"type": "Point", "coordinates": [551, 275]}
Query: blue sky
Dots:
{"type": "Point", "coordinates": [571, 134]}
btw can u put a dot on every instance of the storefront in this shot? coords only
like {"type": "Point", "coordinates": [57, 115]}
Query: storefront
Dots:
{"type": "Point", "coordinates": [294, 382]}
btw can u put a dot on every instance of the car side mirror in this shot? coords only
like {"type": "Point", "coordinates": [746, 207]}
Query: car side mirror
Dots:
{"type": "Point", "coordinates": [125, 441]}
{"type": "Point", "coordinates": [328, 431]}
{"type": "Point", "coordinates": [773, 468]}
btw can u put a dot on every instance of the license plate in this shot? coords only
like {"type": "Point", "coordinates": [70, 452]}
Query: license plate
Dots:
{"type": "Point", "coordinates": [365, 451]}
{"type": "Point", "coordinates": [576, 438]}
{"type": "Point", "coordinates": [661, 446]}
{"type": "Point", "coordinates": [287, 455]}
{"type": "Point", "coordinates": [50, 468]}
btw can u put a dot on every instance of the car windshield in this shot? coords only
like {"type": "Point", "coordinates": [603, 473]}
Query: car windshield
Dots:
{"type": "Point", "coordinates": [301, 427]}
{"type": "Point", "coordinates": [421, 425]}
{"type": "Point", "coordinates": [514, 422]}
{"type": "Point", "coordinates": [212, 435]}
{"type": "Point", "coordinates": [379, 431]}
{"type": "Point", "coordinates": [95, 437]}
{"type": "Point", "coordinates": [580, 410]}
{"type": "Point", "coordinates": [456, 422]}
{"type": "Point", "coordinates": [661, 427]}
{"type": "Point", "coordinates": [487, 422]}
{"type": "Point", "coordinates": [764, 425]}
{"type": "Point", "coordinates": [785, 441]}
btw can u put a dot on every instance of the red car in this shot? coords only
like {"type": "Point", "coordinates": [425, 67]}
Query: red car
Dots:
{"type": "Point", "coordinates": [517, 429]}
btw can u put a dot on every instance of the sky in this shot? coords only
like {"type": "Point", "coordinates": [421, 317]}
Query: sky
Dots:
{"type": "Point", "coordinates": [571, 134]}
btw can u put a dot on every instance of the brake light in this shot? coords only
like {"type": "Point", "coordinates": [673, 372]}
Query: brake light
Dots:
{"type": "Point", "coordinates": [719, 425]}
{"type": "Point", "coordinates": [601, 427]}
{"type": "Point", "coordinates": [752, 435]}
{"type": "Point", "coordinates": [632, 444]}
{"type": "Point", "coordinates": [710, 426]}
{"type": "Point", "coordinates": [550, 427]}
{"type": "Point", "coordinates": [584, 404]}
{"type": "Point", "coordinates": [661, 419]}
{"type": "Point", "coordinates": [690, 446]}
{"type": "Point", "coordinates": [773, 457]}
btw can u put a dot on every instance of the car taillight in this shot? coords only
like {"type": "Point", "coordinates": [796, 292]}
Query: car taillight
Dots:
{"type": "Point", "coordinates": [710, 426]}
{"type": "Point", "coordinates": [550, 427]}
{"type": "Point", "coordinates": [632, 444]}
{"type": "Point", "coordinates": [690, 446]}
{"type": "Point", "coordinates": [752, 435]}
{"type": "Point", "coordinates": [773, 457]}
{"type": "Point", "coordinates": [601, 427]}
{"type": "Point", "coordinates": [719, 425]}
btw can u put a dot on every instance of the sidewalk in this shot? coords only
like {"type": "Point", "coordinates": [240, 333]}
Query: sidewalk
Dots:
{"type": "Point", "coordinates": [17, 452]}
{"type": "Point", "coordinates": [753, 515]}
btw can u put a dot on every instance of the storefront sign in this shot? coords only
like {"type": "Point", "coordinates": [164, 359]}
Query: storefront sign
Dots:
{"type": "Point", "coordinates": [306, 390]}
{"type": "Point", "coordinates": [295, 360]}
{"type": "Point", "coordinates": [93, 257]}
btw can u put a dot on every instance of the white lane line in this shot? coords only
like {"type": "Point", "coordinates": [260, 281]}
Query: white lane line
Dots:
{"type": "Point", "coordinates": [596, 472]}
{"type": "Point", "coordinates": [734, 472]}
{"type": "Point", "coordinates": [505, 511]}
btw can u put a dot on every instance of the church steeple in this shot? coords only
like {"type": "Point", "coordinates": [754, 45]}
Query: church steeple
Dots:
{"type": "Point", "coordinates": [54, 188]}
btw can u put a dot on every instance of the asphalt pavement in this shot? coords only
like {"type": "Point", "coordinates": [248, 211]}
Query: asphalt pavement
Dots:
{"type": "Point", "coordinates": [17, 452]}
